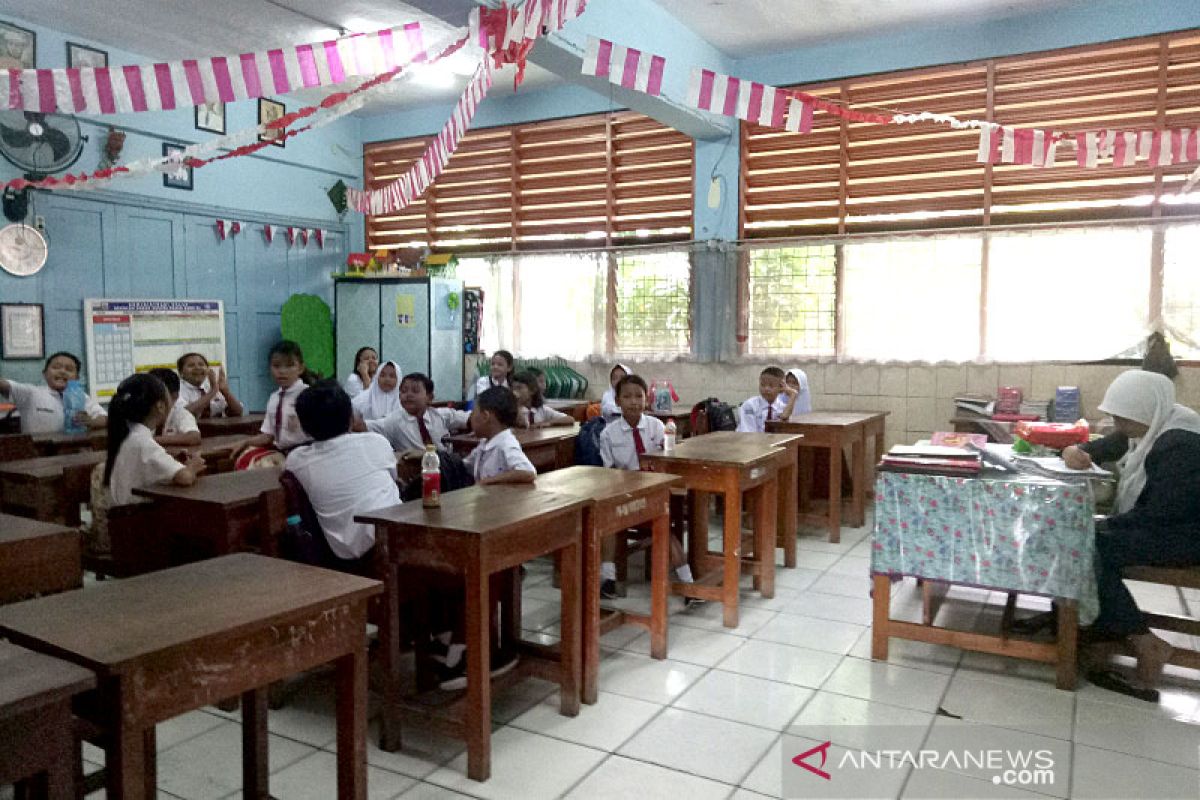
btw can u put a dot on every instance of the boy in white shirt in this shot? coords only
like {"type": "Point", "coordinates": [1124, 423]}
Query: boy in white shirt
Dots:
{"type": "Point", "coordinates": [499, 457]}
{"type": "Point", "coordinates": [416, 424]}
{"type": "Point", "coordinates": [281, 427]}
{"type": "Point", "coordinates": [757, 411]}
{"type": "Point", "coordinates": [621, 442]}
{"type": "Point", "coordinates": [343, 475]}
{"type": "Point", "coordinates": [180, 428]}
{"type": "Point", "coordinates": [41, 407]}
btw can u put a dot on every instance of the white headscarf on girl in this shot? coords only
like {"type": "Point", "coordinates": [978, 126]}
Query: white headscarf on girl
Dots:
{"type": "Point", "coordinates": [375, 403]}
{"type": "Point", "coordinates": [804, 399]}
{"type": "Point", "coordinates": [1148, 398]}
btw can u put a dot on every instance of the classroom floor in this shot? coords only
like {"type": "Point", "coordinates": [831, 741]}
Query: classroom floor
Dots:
{"type": "Point", "coordinates": [706, 723]}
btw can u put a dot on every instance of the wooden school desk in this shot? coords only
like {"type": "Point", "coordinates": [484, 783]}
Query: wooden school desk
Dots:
{"type": "Point", "coordinates": [51, 488]}
{"type": "Point", "coordinates": [477, 532]}
{"type": "Point", "coordinates": [833, 430]}
{"type": "Point", "coordinates": [173, 641]}
{"type": "Point", "coordinates": [245, 425]}
{"type": "Point", "coordinates": [546, 448]}
{"type": "Point", "coordinates": [711, 465]}
{"type": "Point", "coordinates": [38, 558]}
{"type": "Point", "coordinates": [623, 499]}
{"type": "Point", "coordinates": [37, 749]}
{"type": "Point", "coordinates": [60, 443]}
{"type": "Point", "coordinates": [682, 415]}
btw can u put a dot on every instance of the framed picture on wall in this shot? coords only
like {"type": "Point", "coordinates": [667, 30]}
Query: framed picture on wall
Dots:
{"type": "Point", "coordinates": [22, 332]}
{"type": "Point", "coordinates": [18, 47]}
{"type": "Point", "coordinates": [211, 117]}
{"type": "Point", "coordinates": [182, 177]}
{"type": "Point", "coordinates": [269, 111]}
{"type": "Point", "coordinates": [80, 55]}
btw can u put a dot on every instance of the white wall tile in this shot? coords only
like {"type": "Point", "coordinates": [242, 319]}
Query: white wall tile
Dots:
{"type": "Point", "coordinates": [839, 378]}
{"type": "Point", "coordinates": [1020, 375]}
{"type": "Point", "coordinates": [893, 381]}
{"type": "Point", "coordinates": [922, 414]}
{"type": "Point", "coordinates": [951, 381]}
{"type": "Point", "coordinates": [922, 382]}
{"type": "Point", "coordinates": [865, 379]}
{"type": "Point", "coordinates": [983, 378]}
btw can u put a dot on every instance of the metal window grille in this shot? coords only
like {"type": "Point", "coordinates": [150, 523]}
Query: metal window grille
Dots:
{"type": "Point", "coordinates": [792, 301]}
{"type": "Point", "coordinates": [653, 303]}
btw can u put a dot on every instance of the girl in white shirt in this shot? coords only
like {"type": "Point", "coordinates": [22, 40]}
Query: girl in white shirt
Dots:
{"type": "Point", "coordinates": [608, 402]}
{"type": "Point", "coordinates": [205, 392]}
{"type": "Point", "coordinates": [41, 406]}
{"type": "Point", "coordinates": [500, 369]}
{"type": "Point", "coordinates": [366, 364]}
{"type": "Point", "coordinates": [532, 411]}
{"type": "Point", "coordinates": [138, 407]}
{"type": "Point", "coordinates": [382, 397]}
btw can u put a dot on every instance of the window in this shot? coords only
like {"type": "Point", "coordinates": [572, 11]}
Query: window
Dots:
{"type": "Point", "coordinates": [494, 277]}
{"type": "Point", "coordinates": [912, 299]}
{"type": "Point", "coordinates": [653, 309]}
{"type": "Point", "coordinates": [1181, 290]}
{"type": "Point", "coordinates": [560, 305]}
{"type": "Point", "coordinates": [792, 301]}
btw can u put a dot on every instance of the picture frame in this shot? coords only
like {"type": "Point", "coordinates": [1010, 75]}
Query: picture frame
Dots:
{"type": "Point", "coordinates": [211, 117]}
{"type": "Point", "coordinates": [18, 47]}
{"type": "Point", "coordinates": [80, 55]}
{"type": "Point", "coordinates": [179, 180]}
{"type": "Point", "coordinates": [22, 331]}
{"type": "Point", "coordinates": [269, 111]}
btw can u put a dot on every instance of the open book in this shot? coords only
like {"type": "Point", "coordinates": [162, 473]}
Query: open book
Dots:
{"type": "Point", "coordinates": [1055, 467]}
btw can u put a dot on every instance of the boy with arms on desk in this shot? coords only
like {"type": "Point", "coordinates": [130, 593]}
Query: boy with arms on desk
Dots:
{"type": "Point", "coordinates": [499, 457]}
{"type": "Point", "coordinates": [775, 400]}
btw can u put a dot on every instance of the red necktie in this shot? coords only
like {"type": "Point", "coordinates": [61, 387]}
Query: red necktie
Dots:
{"type": "Point", "coordinates": [425, 437]}
{"type": "Point", "coordinates": [638, 444]}
{"type": "Point", "coordinates": [531, 421]}
{"type": "Point", "coordinates": [279, 414]}
{"type": "Point", "coordinates": [770, 411]}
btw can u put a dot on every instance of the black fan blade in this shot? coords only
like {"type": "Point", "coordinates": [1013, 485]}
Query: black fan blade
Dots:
{"type": "Point", "coordinates": [60, 143]}
{"type": "Point", "coordinates": [15, 137]}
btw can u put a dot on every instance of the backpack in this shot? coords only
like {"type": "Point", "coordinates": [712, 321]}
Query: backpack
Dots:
{"type": "Point", "coordinates": [587, 444]}
{"type": "Point", "coordinates": [455, 475]}
{"type": "Point", "coordinates": [712, 415]}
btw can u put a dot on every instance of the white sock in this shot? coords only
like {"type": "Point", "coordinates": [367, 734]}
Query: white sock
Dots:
{"type": "Point", "coordinates": [454, 654]}
{"type": "Point", "coordinates": [684, 573]}
{"type": "Point", "coordinates": [608, 571]}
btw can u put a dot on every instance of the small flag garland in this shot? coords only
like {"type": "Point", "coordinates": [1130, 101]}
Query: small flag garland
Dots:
{"type": "Point", "coordinates": [749, 100]}
{"type": "Point", "coordinates": [624, 66]}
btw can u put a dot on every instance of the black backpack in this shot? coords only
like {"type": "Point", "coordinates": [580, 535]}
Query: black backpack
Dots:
{"type": "Point", "coordinates": [587, 445]}
{"type": "Point", "coordinates": [455, 475]}
{"type": "Point", "coordinates": [712, 415]}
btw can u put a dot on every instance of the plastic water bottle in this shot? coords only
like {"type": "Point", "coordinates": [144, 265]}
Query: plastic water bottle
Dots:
{"type": "Point", "coordinates": [669, 436]}
{"type": "Point", "coordinates": [431, 478]}
{"type": "Point", "coordinates": [74, 401]}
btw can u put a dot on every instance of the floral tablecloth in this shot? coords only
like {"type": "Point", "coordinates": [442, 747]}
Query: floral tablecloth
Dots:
{"type": "Point", "coordinates": [1028, 535]}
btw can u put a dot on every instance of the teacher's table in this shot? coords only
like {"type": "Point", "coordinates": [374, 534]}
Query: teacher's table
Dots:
{"type": "Point", "coordinates": [38, 558]}
{"type": "Point", "coordinates": [476, 533]}
{"type": "Point", "coordinates": [173, 641]}
{"type": "Point", "coordinates": [623, 499]}
{"type": "Point", "coordinates": [37, 749]}
{"type": "Point", "coordinates": [245, 425]}
{"type": "Point", "coordinates": [730, 469]}
{"type": "Point", "coordinates": [1013, 534]}
{"type": "Point", "coordinates": [546, 448]}
{"type": "Point", "coordinates": [833, 430]}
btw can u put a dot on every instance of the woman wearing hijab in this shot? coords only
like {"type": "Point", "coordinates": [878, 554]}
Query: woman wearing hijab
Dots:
{"type": "Point", "coordinates": [382, 397]}
{"type": "Point", "coordinates": [1157, 446]}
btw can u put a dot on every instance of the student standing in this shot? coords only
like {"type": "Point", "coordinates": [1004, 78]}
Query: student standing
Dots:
{"type": "Point", "coordinates": [281, 429]}
{"type": "Point", "coordinates": [41, 407]}
{"type": "Point", "coordinates": [206, 391]}
{"type": "Point", "coordinates": [757, 411]}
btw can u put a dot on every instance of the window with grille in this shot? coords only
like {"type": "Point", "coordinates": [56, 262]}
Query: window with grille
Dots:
{"type": "Point", "coordinates": [792, 301]}
{"type": "Point", "coordinates": [653, 303]}
{"type": "Point", "coordinates": [1181, 290]}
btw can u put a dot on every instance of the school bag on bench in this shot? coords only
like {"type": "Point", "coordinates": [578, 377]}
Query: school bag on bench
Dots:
{"type": "Point", "coordinates": [587, 444]}
{"type": "Point", "coordinates": [712, 415]}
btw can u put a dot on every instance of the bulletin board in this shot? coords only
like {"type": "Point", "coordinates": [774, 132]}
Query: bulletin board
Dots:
{"type": "Point", "coordinates": [127, 336]}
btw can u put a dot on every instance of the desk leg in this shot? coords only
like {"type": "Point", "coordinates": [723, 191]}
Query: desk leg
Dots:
{"type": "Point", "coordinates": [787, 514]}
{"type": "Point", "coordinates": [881, 612]}
{"type": "Point", "coordinates": [698, 532]}
{"type": "Point", "coordinates": [858, 469]}
{"type": "Point", "coordinates": [128, 775]}
{"type": "Point", "coordinates": [660, 549]}
{"type": "Point", "coordinates": [1068, 629]}
{"type": "Point", "coordinates": [255, 770]}
{"type": "Point", "coordinates": [804, 479]}
{"type": "Point", "coordinates": [835, 490]}
{"type": "Point", "coordinates": [352, 721]}
{"type": "Point", "coordinates": [765, 531]}
{"type": "Point", "coordinates": [389, 643]}
{"type": "Point", "coordinates": [591, 607]}
{"type": "Point", "coordinates": [479, 683]}
{"type": "Point", "coordinates": [569, 650]}
{"type": "Point", "coordinates": [732, 560]}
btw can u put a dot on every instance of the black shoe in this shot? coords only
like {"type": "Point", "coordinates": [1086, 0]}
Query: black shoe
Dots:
{"type": "Point", "coordinates": [1035, 624]}
{"type": "Point", "coordinates": [608, 590]}
{"type": "Point", "coordinates": [693, 602]}
{"type": "Point", "coordinates": [1095, 635]}
{"type": "Point", "coordinates": [454, 678]}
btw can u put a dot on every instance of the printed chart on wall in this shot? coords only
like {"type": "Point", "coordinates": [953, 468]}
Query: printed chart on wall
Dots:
{"type": "Point", "coordinates": [127, 336]}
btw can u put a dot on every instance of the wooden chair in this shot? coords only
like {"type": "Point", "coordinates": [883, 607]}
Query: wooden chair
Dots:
{"type": "Point", "coordinates": [1181, 578]}
{"type": "Point", "coordinates": [16, 447]}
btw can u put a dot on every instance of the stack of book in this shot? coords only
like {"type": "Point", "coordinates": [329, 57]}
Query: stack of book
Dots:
{"type": "Point", "coordinates": [1038, 409]}
{"type": "Point", "coordinates": [932, 460]}
{"type": "Point", "coordinates": [1066, 404]}
{"type": "Point", "coordinates": [974, 405]}
{"type": "Point", "coordinates": [1008, 400]}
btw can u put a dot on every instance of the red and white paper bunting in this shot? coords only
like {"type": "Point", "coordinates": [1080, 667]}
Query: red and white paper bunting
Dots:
{"type": "Point", "coordinates": [624, 66]}
{"type": "Point", "coordinates": [228, 227]}
{"type": "Point", "coordinates": [1160, 148]}
{"type": "Point", "coordinates": [523, 23]}
{"type": "Point", "coordinates": [304, 237]}
{"type": "Point", "coordinates": [319, 235]}
{"type": "Point", "coordinates": [178, 84]}
{"type": "Point", "coordinates": [749, 100]}
{"type": "Point", "coordinates": [1004, 145]}
{"type": "Point", "coordinates": [269, 233]}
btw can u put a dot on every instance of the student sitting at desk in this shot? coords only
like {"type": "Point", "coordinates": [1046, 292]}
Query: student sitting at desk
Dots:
{"type": "Point", "coordinates": [796, 379]}
{"type": "Point", "coordinates": [1158, 505]}
{"type": "Point", "coordinates": [205, 391]}
{"type": "Point", "coordinates": [382, 397]}
{"type": "Point", "coordinates": [500, 369]}
{"type": "Point", "coordinates": [41, 407]}
{"type": "Point", "coordinates": [608, 401]}
{"type": "Point", "coordinates": [281, 430]}
{"type": "Point", "coordinates": [756, 412]}
{"type": "Point", "coordinates": [498, 458]}
{"type": "Point", "coordinates": [366, 363]}
{"type": "Point", "coordinates": [532, 411]}
{"type": "Point", "coordinates": [415, 423]}
{"type": "Point", "coordinates": [179, 428]}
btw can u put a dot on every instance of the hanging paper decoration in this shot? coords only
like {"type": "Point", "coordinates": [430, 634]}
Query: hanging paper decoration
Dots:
{"type": "Point", "coordinates": [269, 233]}
{"type": "Point", "coordinates": [291, 235]}
{"type": "Point", "coordinates": [624, 66]}
{"type": "Point", "coordinates": [193, 82]}
{"type": "Point", "coordinates": [748, 100]}
{"type": "Point", "coordinates": [507, 34]}
{"type": "Point", "coordinates": [228, 227]}
{"type": "Point", "coordinates": [1007, 145]}
{"type": "Point", "coordinates": [304, 237]}
{"type": "Point", "coordinates": [235, 227]}
{"type": "Point", "coordinates": [221, 229]}
{"type": "Point", "coordinates": [320, 235]}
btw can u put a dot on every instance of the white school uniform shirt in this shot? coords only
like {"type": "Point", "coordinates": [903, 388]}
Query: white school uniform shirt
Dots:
{"type": "Point", "coordinates": [343, 476]}
{"type": "Point", "coordinates": [617, 448]}
{"type": "Point", "coordinates": [189, 394]}
{"type": "Point", "coordinates": [180, 420]}
{"type": "Point", "coordinates": [290, 433]}
{"type": "Point", "coordinates": [501, 453]}
{"type": "Point", "coordinates": [540, 414]}
{"type": "Point", "coordinates": [752, 417]}
{"type": "Point", "coordinates": [482, 384]}
{"type": "Point", "coordinates": [608, 405]}
{"type": "Point", "coordinates": [42, 407]}
{"type": "Point", "coordinates": [353, 385]}
{"type": "Point", "coordinates": [140, 462]}
{"type": "Point", "coordinates": [403, 432]}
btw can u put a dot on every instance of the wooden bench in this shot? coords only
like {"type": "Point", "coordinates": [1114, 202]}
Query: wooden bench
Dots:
{"type": "Point", "coordinates": [1183, 578]}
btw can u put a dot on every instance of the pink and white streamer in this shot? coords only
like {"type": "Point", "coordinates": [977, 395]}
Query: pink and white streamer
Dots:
{"type": "Point", "coordinates": [526, 22]}
{"type": "Point", "coordinates": [624, 66]}
{"type": "Point", "coordinates": [192, 82]}
{"type": "Point", "coordinates": [748, 100]}
{"type": "Point", "coordinates": [1005, 145]}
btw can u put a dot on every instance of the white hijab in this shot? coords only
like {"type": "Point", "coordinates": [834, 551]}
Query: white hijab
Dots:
{"type": "Point", "coordinates": [1148, 398]}
{"type": "Point", "coordinates": [375, 403]}
{"type": "Point", "coordinates": [804, 399]}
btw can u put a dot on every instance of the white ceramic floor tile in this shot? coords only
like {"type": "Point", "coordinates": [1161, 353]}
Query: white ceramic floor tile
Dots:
{"type": "Point", "coordinates": [524, 765]}
{"type": "Point", "coordinates": [537, 614]}
{"type": "Point", "coordinates": [854, 722]}
{"type": "Point", "coordinates": [920, 655]}
{"type": "Point", "coordinates": [781, 662]}
{"type": "Point", "coordinates": [1108, 775]}
{"type": "Point", "coordinates": [962, 736]}
{"type": "Point", "coordinates": [315, 778]}
{"type": "Point", "coordinates": [710, 617]}
{"type": "Point", "coordinates": [1025, 707]}
{"type": "Point", "coordinates": [784, 597]}
{"type": "Point", "coordinates": [888, 683]}
{"type": "Point", "coordinates": [798, 578]}
{"type": "Point", "coordinates": [705, 746]}
{"type": "Point", "coordinates": [307, 716]}
{"type": "Point", "coordinates": [1174, 703]}
{"type": "Point", "coordinates": [208, 766]}
{"type": "Point", "coordinates": [605, 725]}
{"type": "Point", "coordinates": [1139, 733]}
{"type": "Point", "coordinates": [832, 606]}
{"type": "Point", "coordinates": [850, 565]}
{"type": "Point", "coordinates": [691, 645]}
{"type": "Point", "coordinates": [815, 634]}
{"type": "Point", "coordinates": [639, 676]}
{"type": "Point", "coordinates": [430, 791]}
{"type": "Point", "coordinates": [925, 784]}
{"type": "Point", "coordinates": [986, 665]}
{"type": "Point", "coordinates": [847, 585]}
{"type": "Point", "coordinates": [742, 698]}
{"type": "Point", "coordinates": [179, 729]}
{"type": "Point", "coordinates": [621, 778]}
{"type": "Point", "coordinates": [746, 794]}
{"type": "Point", "coordinates": [422, 750]}
{"type": "Point", "coordinates": [515, 700]}
{"type": "Point", "coordinates": [767, 776]}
